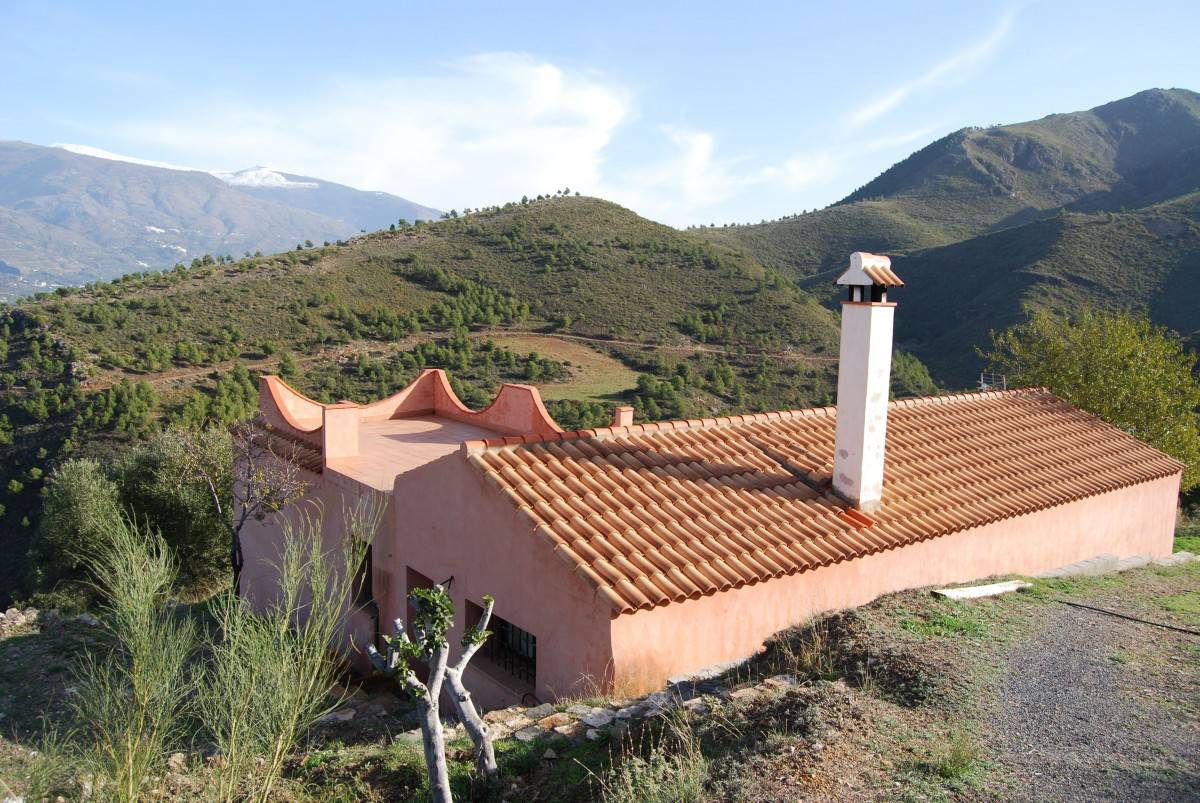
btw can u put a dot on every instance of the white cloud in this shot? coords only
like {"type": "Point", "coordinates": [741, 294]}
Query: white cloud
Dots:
{"type": "Point", "coordinates": [486, 129]}
{"type": "Point", "coordinates": [951, 69]}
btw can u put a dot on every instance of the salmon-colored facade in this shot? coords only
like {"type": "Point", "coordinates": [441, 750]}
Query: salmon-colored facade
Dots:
{"type": "Point", "coordinates": [493, 530]}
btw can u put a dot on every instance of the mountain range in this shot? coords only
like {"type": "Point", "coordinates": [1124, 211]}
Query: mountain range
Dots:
{"type": "Point", "coordinates": [71, 215]}
{"type": "Point", "coordinates": [1099, 206]}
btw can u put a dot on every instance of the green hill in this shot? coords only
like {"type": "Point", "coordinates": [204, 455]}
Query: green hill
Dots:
{"type": "Point", "coordinates": [1144, 260]}
{"type": "Point", "coordinates": [86, 370]}
{"type": "Point", "coordinates": [1098, 206]}
{"type": "Point", "coordinates": [1133, 152]}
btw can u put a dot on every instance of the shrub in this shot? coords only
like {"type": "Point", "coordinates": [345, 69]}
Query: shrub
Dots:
{"type": "Point", "coordinates": [80, 501]}
{"type": "Point", "coordinates": [129, 700]}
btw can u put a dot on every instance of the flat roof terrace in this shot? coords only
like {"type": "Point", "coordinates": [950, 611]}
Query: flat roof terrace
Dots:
{"type": "Point", "coordinates": [389, 448]}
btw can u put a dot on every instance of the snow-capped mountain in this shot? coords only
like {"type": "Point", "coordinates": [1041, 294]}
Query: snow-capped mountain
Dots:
{"type": "Point", "coordinates": [73, 213]}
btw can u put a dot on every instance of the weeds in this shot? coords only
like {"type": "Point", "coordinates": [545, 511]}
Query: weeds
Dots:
{"type": "Point", "coordinates": [672, 769]}
{"type": "Point", "coordinates": [129, 700]}
{"type": "Point", "coordinates": [267, 680]}
{"type": "Point", "coordinates": [945, 624]}
{"type": "Point", "coordinates": [958, 759]}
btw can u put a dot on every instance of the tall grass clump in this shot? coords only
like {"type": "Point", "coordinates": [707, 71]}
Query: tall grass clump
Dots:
{"type": "Point", "coordinates": [128, 699]}
{"type": "Point", "coordinates": [672, 768]}
{"type": "Point", "coordinates": [269, 672]}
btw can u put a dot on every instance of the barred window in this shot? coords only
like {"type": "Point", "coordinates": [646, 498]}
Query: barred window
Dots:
{"type": "Point", "coordinates": [509, 650]}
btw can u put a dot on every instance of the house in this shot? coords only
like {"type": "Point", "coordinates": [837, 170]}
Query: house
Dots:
{"type": "Point", "coordinates": [626, 555]}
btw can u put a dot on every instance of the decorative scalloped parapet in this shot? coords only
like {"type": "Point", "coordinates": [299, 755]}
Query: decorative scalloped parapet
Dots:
{"type": "Point", "coordinates": [517, 410]}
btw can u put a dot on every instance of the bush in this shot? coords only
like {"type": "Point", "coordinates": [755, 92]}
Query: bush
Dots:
{"type": "Point", "coordinates": [80, 500]}
{"type": "Point", "coordinates": [672, 770]}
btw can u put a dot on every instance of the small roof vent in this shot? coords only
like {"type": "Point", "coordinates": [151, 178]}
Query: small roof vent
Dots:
{"type": "Point", "coordinates": [870, 269]}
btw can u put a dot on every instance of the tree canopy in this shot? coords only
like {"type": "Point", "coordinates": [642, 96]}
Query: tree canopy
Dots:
{"type": "Point", "coordinates": [1116, 365]}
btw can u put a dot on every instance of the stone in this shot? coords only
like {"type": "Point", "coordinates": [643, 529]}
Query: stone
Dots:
{"type": "Point", "coordinates": [696, 705]}
{"type": "Point", "coordinates": [572, 730]}
{"type": "Point", "coordinates": [748, 693]}
{"type": "Point", "coordinates": [499, 715]}
{"type": "Point", "coordinates": [631, 712]}
{"type": "Point", "coordinates": [595, 734]}
{"type": "Point", "coordinates": [579, 710]}
{"type": "Point", "coordinates": [86, 618]}
{"type": "Point", "coordinates": [619, 730]}
{"type": "Point", "coordinates": [518, 723]}
{"type": "Point", "coordinates": [550, 755]}
{"type": "Point", "coordinates": [554, 720]}
{"type": "Point", "coordinates": [543, 710]}
{"type": "Point", "coordinates": [340, 715]}
{"type": "Point", "coordinates": [177, 763]}
{"type": "Point", "coordinates": [781, 681]}
{"type": "Point", "coordinates": [597, 718]}
{"type": "Point", "coordinates": [532, 733]}
{"type": "Point", "coordinates": [410, 737]}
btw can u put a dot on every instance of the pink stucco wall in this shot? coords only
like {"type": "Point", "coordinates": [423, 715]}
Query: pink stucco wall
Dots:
{"type": "Point", "coordinates": [651, 646]}
{"type": "Point", "coordinates": [451, 522]}
{"type": "Point", "coordinates": [262, 549]}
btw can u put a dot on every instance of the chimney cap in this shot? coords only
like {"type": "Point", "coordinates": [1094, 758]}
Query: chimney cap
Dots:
{"type": "Point", "coordinates": [870, 269]}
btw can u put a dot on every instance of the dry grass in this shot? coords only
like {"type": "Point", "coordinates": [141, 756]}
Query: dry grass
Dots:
{"type": "Point", "coordinates": [594, 376]}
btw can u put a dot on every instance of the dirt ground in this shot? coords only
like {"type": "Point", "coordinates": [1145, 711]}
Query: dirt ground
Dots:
{"type": "Point", "coordinates": [911, 698]}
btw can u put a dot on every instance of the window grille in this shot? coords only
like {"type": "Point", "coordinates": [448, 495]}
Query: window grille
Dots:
{"type": "Point", "coordinates": [512, 649]}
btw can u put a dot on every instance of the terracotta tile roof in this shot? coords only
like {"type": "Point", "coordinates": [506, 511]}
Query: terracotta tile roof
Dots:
{"type": "Point", "coordinates": [657, 513]}
{"type": "Point", "coordinates": [883, 276]}
{"type": "Point", "coordinates": [290, 447]}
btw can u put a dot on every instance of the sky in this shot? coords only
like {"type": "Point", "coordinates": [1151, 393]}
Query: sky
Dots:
{"type": "Point", "coordinates": [688, 113]}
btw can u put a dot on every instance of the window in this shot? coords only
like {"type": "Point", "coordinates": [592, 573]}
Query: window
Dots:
{"type": "Point", "coordinates": [364, 594]}
{"type": "Point", "coordinates": [509, 652]}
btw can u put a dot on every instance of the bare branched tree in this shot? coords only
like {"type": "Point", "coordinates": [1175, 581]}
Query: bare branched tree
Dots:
{"type": "Point", "coordinates": [249, 473]}
{"type": "Point", "coordinates": [433, 616]}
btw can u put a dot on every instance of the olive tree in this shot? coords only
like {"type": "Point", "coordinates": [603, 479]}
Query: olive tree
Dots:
{"type": "Point", "coordinates": [1118, 366]}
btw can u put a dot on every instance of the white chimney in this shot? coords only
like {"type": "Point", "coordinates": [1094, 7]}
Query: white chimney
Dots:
{"type": "Point", "coordinates": [864, 379]}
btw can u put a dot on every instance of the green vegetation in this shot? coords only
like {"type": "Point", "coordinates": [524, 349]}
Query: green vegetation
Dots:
{"type": "Point", "coordinates": [86, 371]}
{"type": "Point", "coordinates": [1120, 367]}
{"type": "Point", "coordinates": [252, 685]}
{"type": "Point", "coordinates": [984, 224]}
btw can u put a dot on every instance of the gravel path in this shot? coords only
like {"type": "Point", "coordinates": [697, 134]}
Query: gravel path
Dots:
{"type": "Point", "coordinates": [1097, 708]}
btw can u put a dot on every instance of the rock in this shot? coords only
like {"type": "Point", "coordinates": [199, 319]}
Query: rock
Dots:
{"type": "Point", "coordinates": [595, 734]}
{"type": "Point", "coordinates": [660, 700]}
{"type": "Point", "coordinates": [579, 710]}
{"type": "Point", "coordinates": [619, 730]}
{"type": "Point", "coordinates": [499, 715]}
{"type": "Point", "coordinates": [543, 710]}
{"type": "Point", "coordinates": [631, 712]}
{"type": "Point", "coordinates": [781, 681]}
{"type": "Point", "coordinates": [550, 755]}
{"type": "Point", "coordinates": [696, 705]}
{"type": "Point", "coordinates": [554, 720]}
{"type": "Point", "coordinates": [532, 733]}
{"type": "Point", "coordinates": [518, 723]}
{"type": "Point", "coordinates": [86, 618]}
{"type": "Point", "coordinates": [409, 737]}
{"type": "Point", "coordinates": [748, 693]}
{"type": "Point", "coordinates": [177, 763]}
{"type": "Point", "coordinates": [572, 730]}
{"type": "Point", "coordinates": [597, 718]}
{"type": "Point", "coordinates": [341, 715]}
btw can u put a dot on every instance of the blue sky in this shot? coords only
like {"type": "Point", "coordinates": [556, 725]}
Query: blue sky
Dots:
{"type": "Point", "coordinates": [686, 112]}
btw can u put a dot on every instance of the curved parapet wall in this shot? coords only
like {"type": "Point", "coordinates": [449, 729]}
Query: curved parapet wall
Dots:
{"type": "Point", "coordinates": [285, 408]}
{"type": "Point", "coordinates": [516, 410]}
